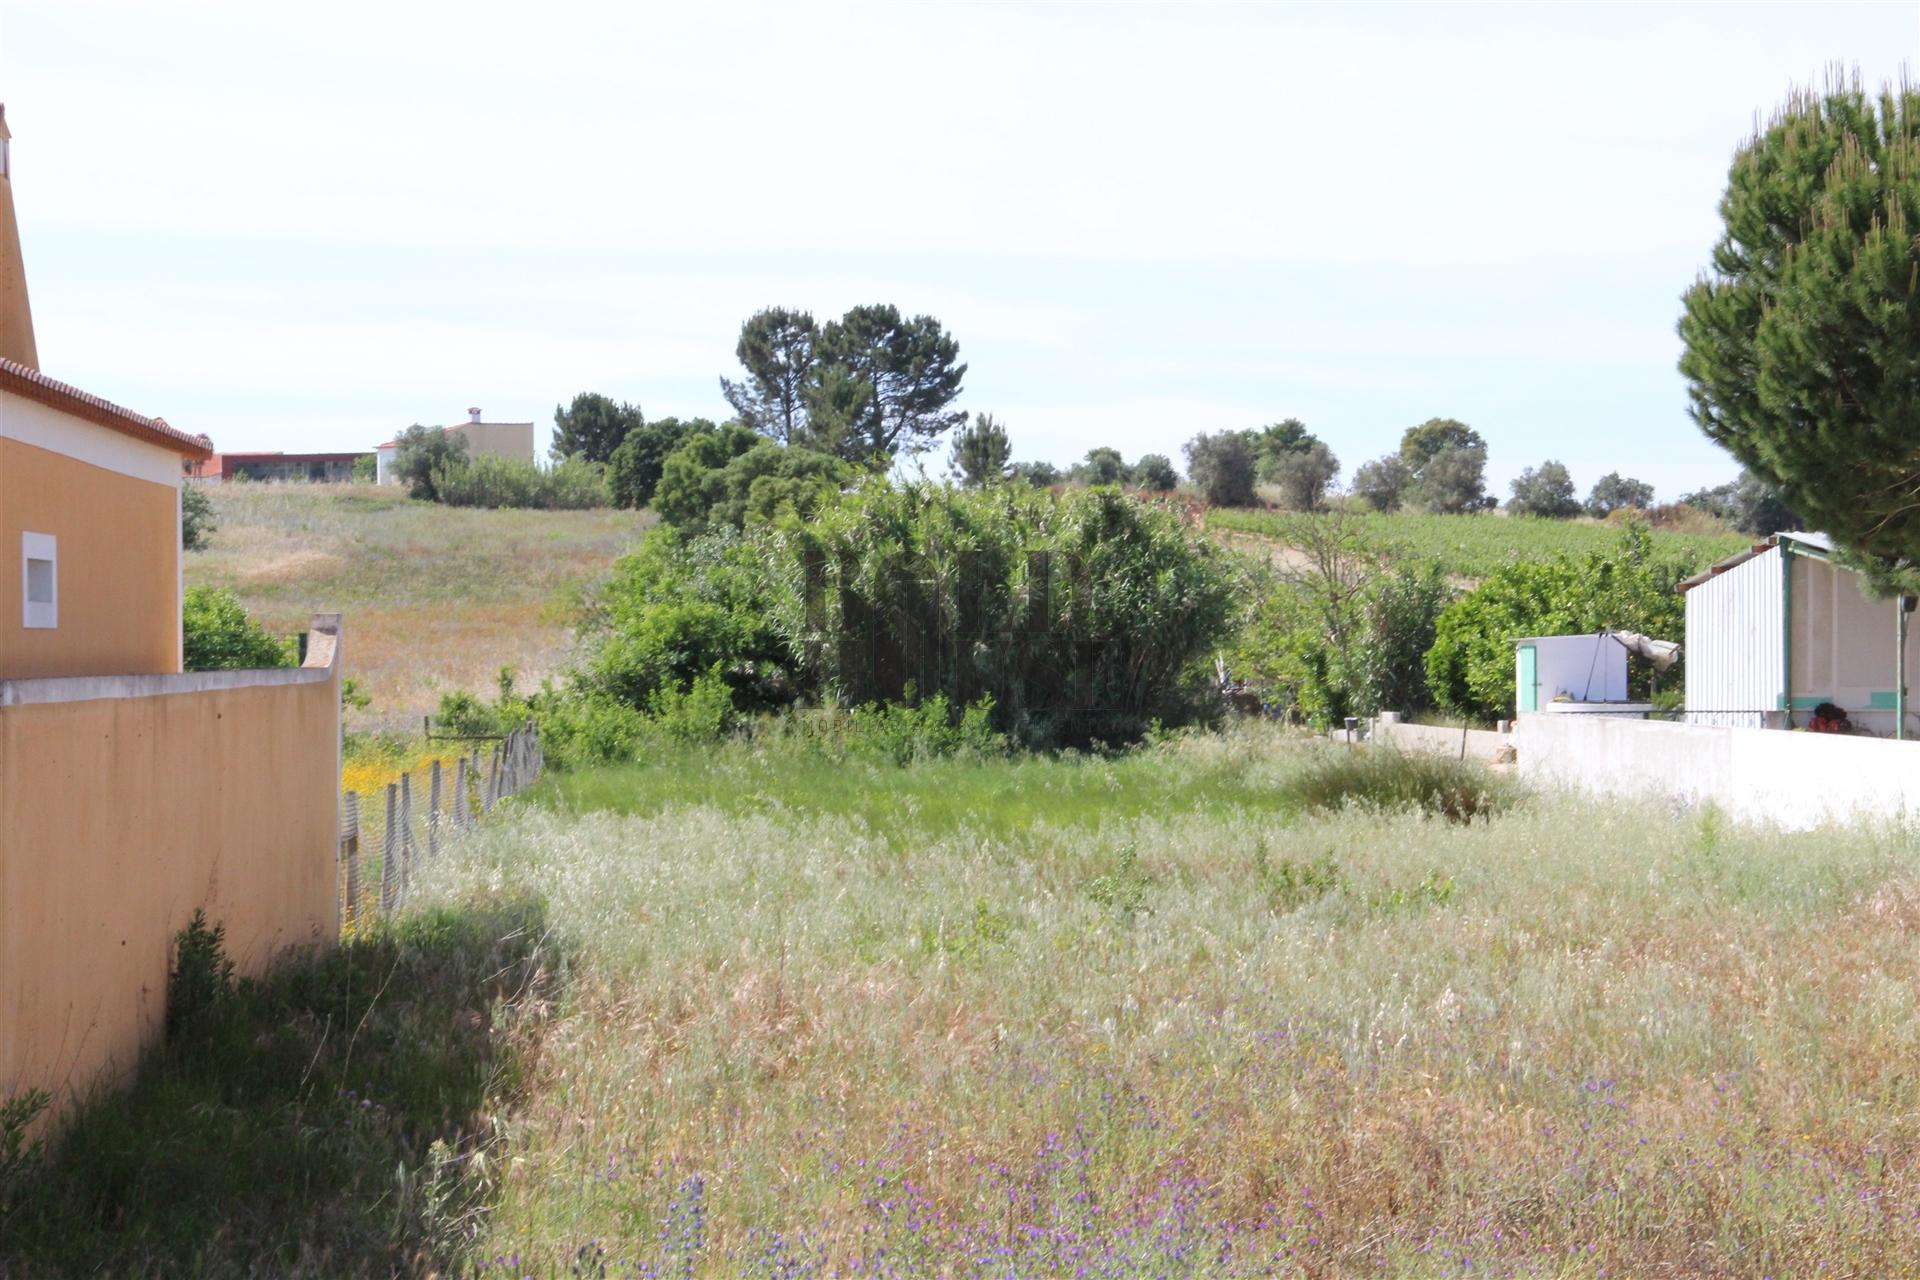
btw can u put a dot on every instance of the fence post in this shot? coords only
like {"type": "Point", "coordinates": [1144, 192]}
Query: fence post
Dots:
{"type": "Point", "coordinates": [462, 806]}
{"type": "Point", "coordinates": [433, 812]}
{"type": "Point", "coordinates": [408, 849]}
{"type": "Point", "coordinates": [350, 855]}
{"type": "Point", "coordinates": [493, 782]}
{"type": "Point", "coordinates": [389, 869]}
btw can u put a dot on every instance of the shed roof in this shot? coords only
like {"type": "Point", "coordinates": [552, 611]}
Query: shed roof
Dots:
{"type": "Point", "coordinates": [1818, 543]}
{"type": "Point", "coordinates": [25, 381]}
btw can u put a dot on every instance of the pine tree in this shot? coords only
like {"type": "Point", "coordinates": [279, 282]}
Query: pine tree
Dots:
{"type": "Point", "coordinates": [1803, 339]}
{"type": "Point", "coordinates": [912, 371]}
{"type": "Point", "coordinates": [592, 427]}
{"type": "Point", "coordinates": [777, 348]}
{"type": "Point", "coordinates": [981, 453]}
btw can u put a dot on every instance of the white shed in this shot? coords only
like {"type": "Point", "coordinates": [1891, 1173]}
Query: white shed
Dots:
{"type": "Point", "coordinates": [1778, 629]}
{"type": "Point", "coordinates": [1563, 673]}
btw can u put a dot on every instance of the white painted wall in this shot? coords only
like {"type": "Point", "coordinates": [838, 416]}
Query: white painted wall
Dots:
{"type": "Point", "coordinates": [1585, 668]}
{"type": "Point", "coordinates": [383, 465]}
{"type": "Point", "coordinates": [1796, 780]}
{"type": "Point", "coordinates": [1732, 648]}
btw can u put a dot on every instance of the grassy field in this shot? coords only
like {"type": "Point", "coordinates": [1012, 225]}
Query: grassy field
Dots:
{"type": "Point", "coordinates": [435, 597]}
{"type": "Point", "coordinates": [1473, 546]}
{"type": "Point", "coordinates": [1130, 1016]}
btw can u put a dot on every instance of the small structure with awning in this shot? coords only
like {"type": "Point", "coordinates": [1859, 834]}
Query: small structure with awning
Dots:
{"type": "Point", "coordinates": [1583, 674]}
{"type": "Point", "coordinates": [1781, 629]}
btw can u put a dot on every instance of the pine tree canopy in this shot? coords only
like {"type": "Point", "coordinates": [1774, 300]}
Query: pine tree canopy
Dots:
{"type": "Point", "coordinates": [1803, 339]}
{"type": "Point", "coordinates": [776, 349]}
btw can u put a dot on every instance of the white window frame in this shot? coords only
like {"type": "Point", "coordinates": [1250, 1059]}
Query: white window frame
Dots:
{"type": "Point", "coordinates": [39, 614]}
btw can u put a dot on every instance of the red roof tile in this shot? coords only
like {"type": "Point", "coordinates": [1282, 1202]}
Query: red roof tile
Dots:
{"type": "Point", "coordinates": [34, 385]}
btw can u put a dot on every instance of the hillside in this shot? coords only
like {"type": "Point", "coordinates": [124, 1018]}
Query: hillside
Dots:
{"type": "Point", "coordinates": [434, 598]}
{"type": "Point", "coordinates": [1471, 547]}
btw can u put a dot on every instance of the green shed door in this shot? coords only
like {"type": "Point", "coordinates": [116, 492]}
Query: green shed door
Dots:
{"type": "Point", "coordinates": [1529, 679]}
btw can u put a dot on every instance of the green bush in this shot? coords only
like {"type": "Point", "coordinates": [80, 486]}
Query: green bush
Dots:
{"type": "Point", "coordinates": [201, 979]}
{"type": "Point", "coordinates": [197, 524]}
{"type": "Point", "coordinates": [588, 730]}
{"type": "Point", "coordinates": [1084, 615]}
{"type": "Point", "coordinates": [1345, 632]}
{"type": "Point", "coordinates": [219, 636]}
{"type": "Point", "coordinates": [903, 733]}
{"type": "Point", "coordinates": [702, 713]}
{"type": "Point", "coordinates": [572, 484]}
{"type": "Point", "coordinates": [1626, 587]}
{"type": "Point", "coordinates": [731, 478]}
{"type": "Point", "coordinates": [1388, 780]}
{"type": "Point", "coordinates": [678, 608]}
{"type": "Point", "coordinates": [420, 452]}
{"type": "Point", "coordinates": [634, 469]}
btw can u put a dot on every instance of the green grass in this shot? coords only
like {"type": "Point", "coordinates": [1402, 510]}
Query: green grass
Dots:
{"type": "Point", "coordinates": [1473, 546]}
{"type": "Point", "coordinates": [1160, 1014]}
{"type": "Point", "coordinates": [996, 798]}
{"type": "Point", "coordinates": [325, 1120]}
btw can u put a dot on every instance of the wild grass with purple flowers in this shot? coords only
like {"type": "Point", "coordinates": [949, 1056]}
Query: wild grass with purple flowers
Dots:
{"type": "Point", "coordinates": [1230, 1038]}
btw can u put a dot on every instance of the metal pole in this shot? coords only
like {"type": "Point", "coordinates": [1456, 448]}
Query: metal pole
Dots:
{"type": "Point", "coordinates": [1900, 607]}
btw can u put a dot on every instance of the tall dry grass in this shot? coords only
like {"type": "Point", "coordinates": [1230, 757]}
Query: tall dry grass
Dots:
{"type": "Point", "coordinates": [435, 598]}
{"type": "Point", "coordinates": [1573, 1040]}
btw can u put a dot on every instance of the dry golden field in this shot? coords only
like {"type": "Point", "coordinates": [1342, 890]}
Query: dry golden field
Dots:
{"type": "Point", "coordinates": [434, 598]}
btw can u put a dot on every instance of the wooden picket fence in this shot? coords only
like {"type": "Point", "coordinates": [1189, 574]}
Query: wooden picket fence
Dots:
{"type": "Point", "coordinates": [385, 837]}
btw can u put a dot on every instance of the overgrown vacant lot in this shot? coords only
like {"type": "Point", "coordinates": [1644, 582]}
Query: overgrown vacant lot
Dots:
{"type": "Point", "coordinates": [761, 1011]}
{"type": "Point", "coordinates": [436, 597]}
{"type": "Point", "coordinates": [1135, 1016]}
{"type": "Point", "coordinates": [1472, 546]}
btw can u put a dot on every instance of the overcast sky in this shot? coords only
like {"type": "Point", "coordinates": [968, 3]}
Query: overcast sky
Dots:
{"type": "Point", "coordinates": [302, 227]}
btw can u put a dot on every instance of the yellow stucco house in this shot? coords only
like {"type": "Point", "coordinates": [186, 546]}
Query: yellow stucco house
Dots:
{"type": "Point", "coordinates": [484, 440]}
{"type": "Point", "coordinates": [133, 792]}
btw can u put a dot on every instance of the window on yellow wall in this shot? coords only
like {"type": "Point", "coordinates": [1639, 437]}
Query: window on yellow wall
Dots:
{"type": "Point", "coordinates": [39, 580]}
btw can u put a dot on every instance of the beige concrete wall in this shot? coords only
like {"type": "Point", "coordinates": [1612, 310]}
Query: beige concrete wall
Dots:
{"type": "Point", "coordinates": [1474, 744]}
{"type": "Point", "coordinates": [129, 802]}
{"type": "Point", "coordinates": [1793, 779]}
{"type": "Point", "coordinates": [497, 439]}
{"type": "Point", "coordinates": [118, 547]}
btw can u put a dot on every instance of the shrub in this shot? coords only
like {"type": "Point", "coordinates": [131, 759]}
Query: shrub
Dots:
{"type": "Point", "coordinates": [902, 733]}
{"type": "Point", "coordinates": [366, 469]}
{"type": "Point", "coordinates": [634, 470]}
{"type": "Point", "coordinates": [197, 524]}
{"type": "Point", "coordinates": [419, 452]}
{"type": "Point", "coordinates": [1346, 630]}
{"type": "Point", "coordinates": [1304, 476]}
{"type": "Point", "coordinates": [1154, 472]}
{"type": "Point", "coordinates": [678, 608]}
{"type": "Point", "coordinates": [572, 484]}
{"type": "Point", "coordinates": [1382, 484]}
{"type": "Point", "coordinates": [219, 636]}
{"type": "Point", "coordinates": [1452, 482]}
{"type": "Point", "coordinates": [735, 478]}
{"type": "Point", "coordinates": [588, 730]}
{"type": "Point", "coordinates": [1546, 491]}
{"type": "Point", "coordinates": [701, 713]}
{"type": "Point", "coordinates": [1470, 667]}
{"type": "Point", "coordinates": [1221, 467]}
{"type": "Point", "coordinates": [201, 979]}
{"type": "Point", "coordinates": [1083, 613]}
{"type": "Point", "coordinates": [1387, 780]}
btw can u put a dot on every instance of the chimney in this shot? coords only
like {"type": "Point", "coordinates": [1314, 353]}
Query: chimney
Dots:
{"type": "Point", "coordinates": [16, 319]}
{"type": "Point", "coordinates": [473, 415]}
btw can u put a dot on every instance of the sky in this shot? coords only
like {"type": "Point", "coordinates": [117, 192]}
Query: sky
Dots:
{"type": "Point", "coordinates": [304, 227]}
